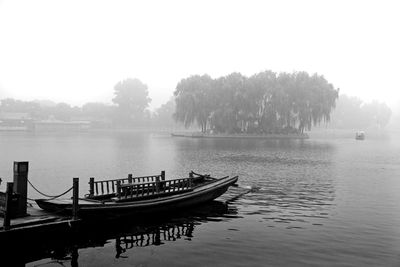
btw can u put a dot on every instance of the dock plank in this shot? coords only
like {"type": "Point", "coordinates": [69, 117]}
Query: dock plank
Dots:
{"type": "Point", "coordinates": [35, 216]}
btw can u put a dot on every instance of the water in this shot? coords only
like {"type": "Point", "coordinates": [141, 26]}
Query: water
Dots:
{"type": "Point", "coordinates": [316, 202]}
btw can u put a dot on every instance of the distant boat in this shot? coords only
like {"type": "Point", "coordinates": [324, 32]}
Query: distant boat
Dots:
{"type": "Point", "coordinates": [360, 135]}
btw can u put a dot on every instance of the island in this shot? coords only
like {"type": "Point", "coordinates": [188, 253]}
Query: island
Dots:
{"type": "Point", "coordinates": [264, 105]}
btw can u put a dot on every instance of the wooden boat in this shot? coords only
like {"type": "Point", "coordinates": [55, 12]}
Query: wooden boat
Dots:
{"type": "Point", "coordinates": [142, 195]}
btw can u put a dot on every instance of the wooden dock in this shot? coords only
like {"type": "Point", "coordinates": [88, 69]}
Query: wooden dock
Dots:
{"type": "Point", "coordinates": [28, 238]}
{"type": "Point", "coordinates": [26, 221]}
{"type": "Point", "coordinates": [36, 216]}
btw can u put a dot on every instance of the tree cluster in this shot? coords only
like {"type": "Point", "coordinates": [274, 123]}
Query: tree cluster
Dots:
{"type": "Point", "coordinates": [130, 108]}
{"type": "Point", "coordinates": [49, 110]}
{"type": "Point", "coordinates": [266, 102]}
{"type": "Point", "coordinates": [353, 113]}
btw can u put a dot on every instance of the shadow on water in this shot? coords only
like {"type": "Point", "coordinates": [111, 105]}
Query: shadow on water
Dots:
{"type": "Point", "coordinates": [126, 233]}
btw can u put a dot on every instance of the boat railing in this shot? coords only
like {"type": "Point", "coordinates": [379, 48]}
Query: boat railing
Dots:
{"type": "Point", "coordinates": [106, 188]}
{"type": "Point", "coordinates": [151, 189]}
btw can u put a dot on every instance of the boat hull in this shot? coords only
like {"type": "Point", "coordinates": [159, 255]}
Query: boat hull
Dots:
{"type": "Point", "coordinates": [91, 209]}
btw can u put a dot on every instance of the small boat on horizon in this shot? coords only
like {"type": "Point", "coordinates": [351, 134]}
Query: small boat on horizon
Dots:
{"type": "Point", "coordinates": [142, 195]}
{"type": "Point", "coordinates": [360, 135]}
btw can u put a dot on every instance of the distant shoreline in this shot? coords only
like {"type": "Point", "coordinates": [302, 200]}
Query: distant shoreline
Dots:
{"type": "Point", "coordinates": [244, 136]}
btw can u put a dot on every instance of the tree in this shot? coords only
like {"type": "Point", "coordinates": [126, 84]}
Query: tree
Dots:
{"type": "Point", "coordinates": [131, 98]}
{"type": "Point", "coordinates": [19, 106]}
{"type": "Point", "coordinates": [13, 105]}
{"type": "Point", "coordinates": [378, 114]}
{"type": "Point", "coordinates": [62, 111]}
{"type": "Point", "coordinates": [163, 116]}
{"type": "Point", "coordinates": [97, 111]}
{"type": "Point", "coordinates": [353, 113]}
{"type": "Point", "coordinates": [259, 92]}
{"type": "Point", "coordinates": [193, 100]}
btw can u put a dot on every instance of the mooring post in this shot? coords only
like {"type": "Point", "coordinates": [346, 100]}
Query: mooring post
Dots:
{"type": "Point", "coordinates": [130, 178]}
{"type": "Point", "coordinates": [91, 186]}
{"type": "Point", "coordinates": [75, 198]}
{"type": "Point", "coordinates": [7, 211]}
{"type": "Point", "coordinates": [21, 186]}
{"type": "Point", "coordinates": [162, 175]}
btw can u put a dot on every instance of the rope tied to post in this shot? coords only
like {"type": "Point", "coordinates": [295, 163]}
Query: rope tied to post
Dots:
{"type": "Point", "coordinates": [49, 196]}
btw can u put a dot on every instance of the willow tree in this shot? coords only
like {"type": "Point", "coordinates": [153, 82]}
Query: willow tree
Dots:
{"type": "Point", "coordinates": [193, 101]}
{"type": "Point", "coordinates": [230, 112]}
{"type": "Point", "coordinates": [260, 89]}
{"type": "Point", "coordinates": [323, 99]}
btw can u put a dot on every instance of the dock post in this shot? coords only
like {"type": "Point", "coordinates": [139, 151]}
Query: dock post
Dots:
{"type": "Point", "coordinates": [130, 178]}
{"type": "Point", "coordinates": [21, 186]}
{"type": "Point", "coordinates": [75, 198]}
{"type": "Point", "coordinates": [7, 211]}
{"type": "Point", "coordinates": [162, 175]}
{"type": "Point", "coordinates": [91, 186]}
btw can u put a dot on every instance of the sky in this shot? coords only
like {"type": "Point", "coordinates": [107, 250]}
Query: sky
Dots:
{"type": "Point", "coordinates": [76, 51]}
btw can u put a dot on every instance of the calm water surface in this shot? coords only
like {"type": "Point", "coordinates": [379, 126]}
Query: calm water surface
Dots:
{"type": "Point", "coordinates": [316, 202]}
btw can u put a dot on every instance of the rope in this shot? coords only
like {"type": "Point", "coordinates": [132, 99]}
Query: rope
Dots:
{"type": "Point", "coordinates": [51, 197]}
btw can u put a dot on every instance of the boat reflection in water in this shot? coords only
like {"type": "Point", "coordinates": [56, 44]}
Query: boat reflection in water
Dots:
{"type": "Point", "coordinates": [127, 233]}
{"type": "Point", "coordinates": [154, 237]}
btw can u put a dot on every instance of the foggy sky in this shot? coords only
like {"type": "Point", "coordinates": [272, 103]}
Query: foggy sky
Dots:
{"type": "Point", "coordinates": [76, 51]}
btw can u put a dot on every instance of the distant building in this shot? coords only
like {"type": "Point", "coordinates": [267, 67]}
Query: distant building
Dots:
{"type": "Point", "coordinates": [61, 126]}
{"type": "Point", "coordinates": [14, 121]}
